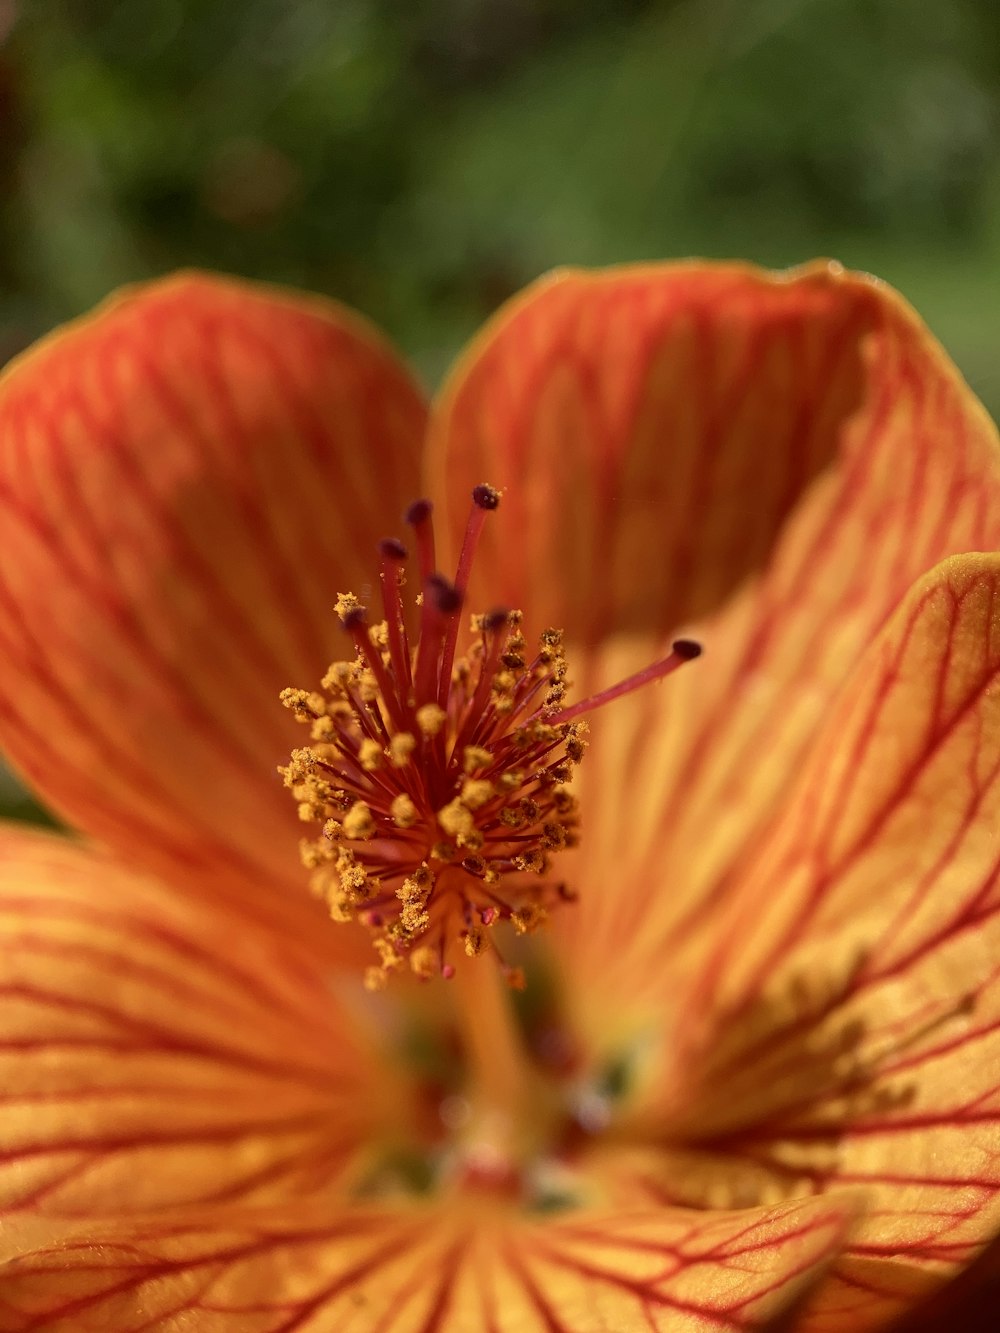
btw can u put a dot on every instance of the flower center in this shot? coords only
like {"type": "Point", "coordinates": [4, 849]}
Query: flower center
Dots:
{"type": "Point", "coordinates": [440, 781]}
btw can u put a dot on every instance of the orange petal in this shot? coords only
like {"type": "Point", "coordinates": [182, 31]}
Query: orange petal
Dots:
{"type": "Point", "coordinates": [768, 461]}
{"type": "Point", "coordinates": [156, 1050]}
{"type": "Point", "coordinates": [459, 1268]}
{"type": "Point", "coordinates": [846, 1029]}
{"type": "Point", "coordinates": [654, 428]}
{"type": "Point", "coordinates": [189, 477]}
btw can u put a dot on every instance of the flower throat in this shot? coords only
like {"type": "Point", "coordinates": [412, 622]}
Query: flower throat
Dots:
{"type": "Point", "coordinates": [440, 782]}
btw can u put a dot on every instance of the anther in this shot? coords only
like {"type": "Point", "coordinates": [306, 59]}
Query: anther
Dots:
{"type": "Point", "coordinates": [682, 650]}
{"type": "Point", "coordinates": [446, 597]}
{"type": "Point", "coordinates": [439, 783]}
{"type": "Point", "coordinates": [391, 548]}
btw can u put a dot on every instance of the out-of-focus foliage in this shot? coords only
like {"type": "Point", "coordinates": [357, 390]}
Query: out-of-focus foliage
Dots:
{"type": "Point", "coordinates": [424, 160]}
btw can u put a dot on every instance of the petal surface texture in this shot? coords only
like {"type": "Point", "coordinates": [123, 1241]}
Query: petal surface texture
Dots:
{"type": "Point", "coordinates": [770, 463]}
{"type": "Point", "coordinates": [767, 461]}
{"type": "Point", "coordinates": [424, 1270]}
{"type": "Point", "coordinates": [189, 477]}
{"type": "Point", "coordinates": [158, 1050]}
{"type": "Point", "coordinates": [846, 1030]}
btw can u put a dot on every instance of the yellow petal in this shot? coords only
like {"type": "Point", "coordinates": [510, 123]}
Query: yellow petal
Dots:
{"type": "Point", "coordinates": [157, 1051]}
{"type": "Point", "coordinates": [416, 1270]}
{"type": "Point", "coordinates": [188, 476]}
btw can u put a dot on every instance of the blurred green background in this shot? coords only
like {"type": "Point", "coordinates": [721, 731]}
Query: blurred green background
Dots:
{"type": "Point", "coordinates": [423, 160]}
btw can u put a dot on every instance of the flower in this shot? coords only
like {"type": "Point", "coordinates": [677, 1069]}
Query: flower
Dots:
{"type": "Point", "coordinates": [755, 1072]}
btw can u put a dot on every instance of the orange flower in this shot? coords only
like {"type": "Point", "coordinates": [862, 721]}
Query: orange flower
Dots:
{"type": "Point", "coordinates": [755, 1073]}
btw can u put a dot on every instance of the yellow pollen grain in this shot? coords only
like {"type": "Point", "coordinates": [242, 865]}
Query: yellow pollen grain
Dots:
{"type": "Point", "coordinates": [339, 909]}
{"type": "Point", "coordinates": [532, 862]}
{"type": "Point", "coordinates": [370, 754]}
{"type": "Point", "coordinates": [300, 765]}
{"type": "Point", "coordinates": [430, 719]}
{"type": "Point", "coordinates": [401, 747]}
{"type": "Point", "coordinates": [368, 685]}
{"type": "Point", "coordinates": [359, 821]}
{"type": "Point", "coordinates": [456, 820]}
{"type": "Point", "coordinates": [339, 676]}
{"type": "Point", "coordinates": [346, 603]}
{"type": "Point", "coordinates": [323, 729]}
{"type": "Point", "coordinates": [476, 792]}
{"type": "Point", "coordinates": [379, 634]}
{"type": "Point", "coordinates": [474, 941]}
{"type": "Point", "coordinates": [304, 706]}
{"type": "Point", "coordinates": [403, 811]}
{"type": "Point", "coordinates": [416, 888]}
{"type": "Point", "coordinates": [564, 801]}
{"type": "Point", "coordinates": [504, 682]}
{"type": "Point", "coordinates": [424, 962]}
{"type": "Point", "coordinates": [474, 756]}
{"type": "Point", "coordinates": [414, 919]}
{"type": "Point", "coordinates": [315, 852]}
{"type": "Point", "coordinates": [553, 836]}
{"type": "Point", "coordinates": [527, 919]}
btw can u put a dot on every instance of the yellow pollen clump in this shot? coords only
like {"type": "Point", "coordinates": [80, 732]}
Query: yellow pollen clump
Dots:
{"type": "Point", "coordinates": [403, 811]}
{"type": "Point", "coordinates": [473, 757]}
{"type": "Point", "coordinates": [424, 962]}
{"type": "Point", "coordinates": [346, 603]}
{"type": "Point", "coordinates": [476, 792]}
{"type": "Point", "coordinates": [401, 747]}
{"type": "Point", "coordinates": [370, 755]}
{"type": "Point", "coordinates": [456, 820]}
{"type": "Point", "coordinates": [323, 730]}
{"type": "Point", "coordinates": [358, 822]}
{"type": "Point", "coordinates": [305, 706]}
{"type": "Point", "coordinates": [474, 942]}
{"type": "Point", "coordinates": [430, 719]}
{"type": "Point", "coordinates": [339, 677]}
{"type": "Point", "coordinates": [528, 919]}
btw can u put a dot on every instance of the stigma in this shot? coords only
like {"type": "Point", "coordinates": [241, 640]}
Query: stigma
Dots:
{"type": "Point", "coordinates": [439, 781]}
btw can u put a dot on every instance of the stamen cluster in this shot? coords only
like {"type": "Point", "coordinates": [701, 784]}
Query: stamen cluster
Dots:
{"type": "Point", "coordinates": [440, 784]}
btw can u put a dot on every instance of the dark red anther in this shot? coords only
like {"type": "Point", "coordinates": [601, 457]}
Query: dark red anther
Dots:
{"type": "Point", "coordinates": [682, 650]}
{"type": "Point", "coordinates": [391, 548]}
{"type": "Point", "coordinates": [484, 498]}
{"type": "Point", "coordinates": [494, 620]}
{"type": "Point", "coordinates": [446, 597]}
